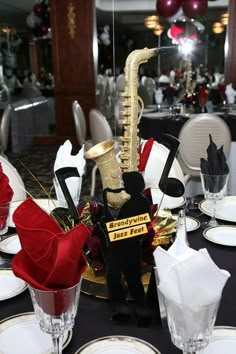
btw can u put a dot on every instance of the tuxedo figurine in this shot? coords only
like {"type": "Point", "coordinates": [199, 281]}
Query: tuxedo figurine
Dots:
{"type": "Point", "coordinates": [124, 258]}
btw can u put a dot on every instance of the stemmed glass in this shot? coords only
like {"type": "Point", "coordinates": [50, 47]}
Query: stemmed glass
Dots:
{"type": "Point", "coordinates": [214, 189]}
{"type": "Point", "coordinates": [56, 310]}
{"type": "Point", "coordinates": [190, 327]}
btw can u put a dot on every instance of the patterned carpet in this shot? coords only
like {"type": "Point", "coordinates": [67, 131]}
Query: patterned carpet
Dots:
{"type": "Point", "coordinates": [37, 165]}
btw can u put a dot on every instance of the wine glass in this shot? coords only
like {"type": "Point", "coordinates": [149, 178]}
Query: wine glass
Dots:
{"type": "Point", "coordinates": [190, 327]}
{"type": "Point", "coordinates": [56, 310]}
{"type": "Point", "coordinates": [214, 189]}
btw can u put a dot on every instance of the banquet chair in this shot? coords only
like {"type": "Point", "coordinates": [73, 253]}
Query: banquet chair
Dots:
{"type": "Point", "coordinates": [15, 180]}
{"type": "Point", "coordinates": [145, 95]}
{"type": "Point", "coordinates": [80, 125]}
{"type": "Point", "coordinates": [4, 130]}
{"type": "Point", "coordinates": [150, 85]}
{"type": "Point", "coordinates": [194, 140]}
{"type": "Point", "coordinates": [100, 131]}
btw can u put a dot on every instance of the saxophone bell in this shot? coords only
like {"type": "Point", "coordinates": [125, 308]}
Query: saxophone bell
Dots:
{"type": "Point", "coordinates": [103, 154]}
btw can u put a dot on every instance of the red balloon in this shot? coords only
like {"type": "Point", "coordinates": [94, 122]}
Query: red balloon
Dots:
{"type": "Point", "coordinates": [181, 31]}
{"type": "Point", "coordinates": [168, 8]}
{"type": "Point", "coordinates": [194, 8]}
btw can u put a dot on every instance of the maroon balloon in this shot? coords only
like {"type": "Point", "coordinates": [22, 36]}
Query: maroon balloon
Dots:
{"type": "Point", "coordinates": [168, 8]}
{"type": "Point", "coordinates": [44, 29]}
{"type": "Point", "coordinates": [38, 9]}
{"type": "Point", "coordinates": [194, 8]}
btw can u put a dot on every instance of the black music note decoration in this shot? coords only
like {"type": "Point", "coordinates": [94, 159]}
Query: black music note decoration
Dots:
{"type": "Point", "coordinates": [62, 174]}
{"type": "Point", "coordinates": [170, 185]}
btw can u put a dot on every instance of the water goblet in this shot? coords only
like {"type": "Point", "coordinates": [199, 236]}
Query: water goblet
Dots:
{"type": "Point", "coordinates": [190, 327]}
{"type": "Point", "coordinates": [55, 311]}
{"type": "Point", "coordinates": [214, 189]}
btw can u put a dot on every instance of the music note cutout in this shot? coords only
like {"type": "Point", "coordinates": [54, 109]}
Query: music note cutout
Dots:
{"type": "Point", "coordinates": [62, 174]}
{"type": "Point", "coordinates": [171, 186]}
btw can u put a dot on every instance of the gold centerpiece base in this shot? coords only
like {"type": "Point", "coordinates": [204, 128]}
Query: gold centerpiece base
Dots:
{"type": "Point", "coordinates": [96, 285]}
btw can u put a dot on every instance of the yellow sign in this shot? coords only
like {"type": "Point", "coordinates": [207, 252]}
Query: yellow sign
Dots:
{"type": "Point", "coordinates": [128, 232]}
{"type": "Point", "coordinates": [128, 222]}
{"type": "Point", "coordinates": [129, 227]}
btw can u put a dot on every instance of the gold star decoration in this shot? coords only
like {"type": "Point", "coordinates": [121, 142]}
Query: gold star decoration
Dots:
{"type": "Point", "coordinates": [71, 20]}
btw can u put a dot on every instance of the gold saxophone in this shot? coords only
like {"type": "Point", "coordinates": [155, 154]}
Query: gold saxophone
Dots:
{"type": "Point", "coordinates": [103, 153]}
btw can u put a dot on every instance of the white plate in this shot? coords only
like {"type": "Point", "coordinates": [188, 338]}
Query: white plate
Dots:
{"type": "Point", "coordinates": [167, 202]}
{"type": "Point", "coordinates": [156, 163]}
{"type": "Point", "coordinates": [155, 115]}
{"type": "Point", "coordinates": [222, 341]}
{"type": "Point", "coordinates": [21, 334]}
{"type": "Point", "coordinates": [222, 235]}
{"type": "Point", "coordinates": [148, 110]}
{"type": "Point", "coordinates": [10, 285]}
{"type": "Point", "coordinates": [152, 106]}
{"type": "Point", "coordinates": [225, 208]}
{"type": "Point", "coordinates": [10, 245]}
{"type": "Point", "coordinates": [47, 204]}
{"type": "Point", "coordinates": [191, 223]}
{"type": "Point", "coordinates": [118, 345]}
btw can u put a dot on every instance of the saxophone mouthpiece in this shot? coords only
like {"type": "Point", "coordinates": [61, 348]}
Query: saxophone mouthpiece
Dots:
{"type": "Point", "coordinates": [165, 50]}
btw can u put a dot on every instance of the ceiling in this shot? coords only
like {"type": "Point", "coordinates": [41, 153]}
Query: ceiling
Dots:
{"type": "Point", "coordinates": [131, 13]}
{"type": "Point", "coordinates": [127, 12]}
{"type": "Point", "coordinates": [14, 12]}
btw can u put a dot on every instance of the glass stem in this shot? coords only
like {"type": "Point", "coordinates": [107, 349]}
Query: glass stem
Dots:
{"type": "Point", "coordinates": [57, 344]}
{"type": "Point", "coordinates": [213, 218]}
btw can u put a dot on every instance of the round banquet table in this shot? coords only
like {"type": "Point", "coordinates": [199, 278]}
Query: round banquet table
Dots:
{"type": "Point", "coordinates": [155, 124]}
{"type": "Point", "coordinates": [93, 318]}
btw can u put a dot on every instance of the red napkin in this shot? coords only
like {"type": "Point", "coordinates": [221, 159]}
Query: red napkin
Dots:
{"type": "Point", "coordinates": [144, 154]}
{"type": "Point", "coordinates": [202, 95]}
{"type": "Point", "coordinates": [50, 257]}
{"type": "Point", "coordinates": [6, 192]}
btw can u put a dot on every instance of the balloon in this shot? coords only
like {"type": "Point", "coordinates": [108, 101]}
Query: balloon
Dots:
{"type": "Point", "coordinates": [194, 8]}
{"type": "Point", "coordinates": [38, 9]}
{"type": "Point", "coordinates": [32, 20]}
{"type": "Point", "coordinates": [181, 31]}
{"type": "Point", "coordinates": [198, 25]}
{"type": "Point", "coordinates": [168, 8]}
{"type": "Point", "coordinates": [179, 14]}
{"type": "Point", "coordinates": [44, 29]}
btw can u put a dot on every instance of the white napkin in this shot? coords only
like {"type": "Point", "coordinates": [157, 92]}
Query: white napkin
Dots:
{"type": "Point", "coordinates": [158, 96]}
{"type": "Point", "coordinates": [230, 94]}
{"type": "Point", "coordinates": [187, 276]}
{"type": "Point", "coordinates": [65, 159]}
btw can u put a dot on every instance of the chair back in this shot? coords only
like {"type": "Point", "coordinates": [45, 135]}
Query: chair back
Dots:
{"type": "Point", "coordinates": [4, 129]}
{"type": "Point", "coordinates": [99, 127]}
{"type": "Point", "coordinates": [146, 97]}
{"type": "Point", "coordinates": [15, 180]}
{"type": "Point", "coordinates": [150, 84]}
{"type": "Point", "coordinates": [80, 122]}
{"type": "Point", "coordinates": [194, 140]}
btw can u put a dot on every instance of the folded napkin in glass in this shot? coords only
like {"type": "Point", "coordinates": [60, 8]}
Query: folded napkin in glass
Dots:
{"type": "Point", "coordinates": [50, 258]}
{"type": "Point", "coordinates": [215, 164]}
{"type": "Point", "coordinates": [64, 158]}
{"type": "Point", "coordinates": [187, 276]}
{"type": "Point", "coordinates": [6, 192]}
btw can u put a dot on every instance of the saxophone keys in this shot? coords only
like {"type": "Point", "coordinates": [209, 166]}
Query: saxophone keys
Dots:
{"type": "Point", "coordinates": [125, 94]}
